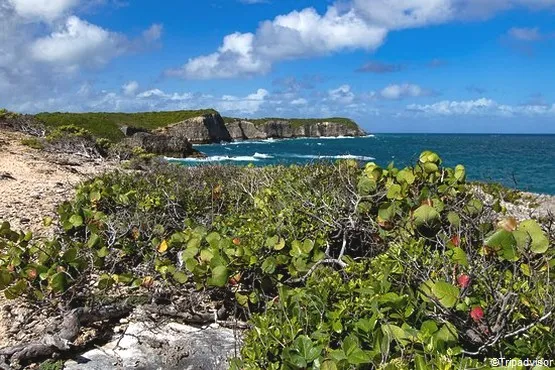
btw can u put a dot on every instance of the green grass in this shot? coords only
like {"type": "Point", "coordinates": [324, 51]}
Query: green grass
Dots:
{"type": "Point", "coordinates": [107, 125]}
{"type": "Point", "coordinates": [298, 122]}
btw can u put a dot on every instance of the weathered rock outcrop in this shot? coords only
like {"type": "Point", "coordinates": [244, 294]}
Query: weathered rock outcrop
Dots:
{"type": "Point", "coordinates": [283, 129]}
{"type": "Point", "coordinates": [205, 129]}
{"type": "Point", "coordinates": [167, 145]}
{"type": "Point", "coordinates": [245, 130]}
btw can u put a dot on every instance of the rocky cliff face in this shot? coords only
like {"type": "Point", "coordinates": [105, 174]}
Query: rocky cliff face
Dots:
{"type": "Point", "coordinates": [283, 129]}
{"type": "Point", "coordinates": [211, 128]}
{"type": "Point", "coordinates": [205, 129]}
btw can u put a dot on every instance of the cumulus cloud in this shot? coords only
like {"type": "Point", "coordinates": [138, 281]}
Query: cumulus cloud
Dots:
{"type": "Point", "coordinates": [298, 34]}
{"type": "Point", "coordinates": [346, 25]}
{"type": "Point", "coordinates": [77, 41]}
{"type": "Point", "coordinates": [479, 107]}
{"type": "Point", "coordinates": [243, 105]}
{"type": "Point", "coordinates": [42, 9]}
{"type": "Point", "coordinates": [130, 88]}
{"type": "Point", "coordinates": [43, 45]}
{"type": "Point", "coordinates": [342, 94]}
{"type": "Point", "coordinates": [395, 92]}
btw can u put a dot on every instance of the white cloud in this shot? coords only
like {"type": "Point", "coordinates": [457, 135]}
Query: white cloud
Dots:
{"type": "Point", "coordinates": [300, 101]}
{"type": "Point", "coordinates": [130, 88]}
{"type": "Point", "coordinates": [154, 33]}
{"type": "Point", "coordinates": [395, 92]}
{"type": "Point", "coordinates": [525, 34]}
{"type": "Point", "coordinates": [479, 107]}
{"type": "Point", "coordinates": [76, 42]}
{"type": "Point", "coordinates": [346, 25]}
{"type": "Point", "coordinates": [42, 9]}
{"type": "Point", "coordinates": [243, 105]}
{"type": "Point", "coordinates": [342, 94]}
{"type": "Point", "coordinates": [295, 35]}
{"type": "Point", "coordinates": [43, 46]}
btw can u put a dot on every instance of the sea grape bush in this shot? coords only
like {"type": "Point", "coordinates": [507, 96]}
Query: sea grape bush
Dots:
{"type": "Point", "coordinates": [336, 266]}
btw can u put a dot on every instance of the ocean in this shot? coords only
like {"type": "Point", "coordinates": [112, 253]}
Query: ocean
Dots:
{"type": "Point", "coordinates": [526, 162]}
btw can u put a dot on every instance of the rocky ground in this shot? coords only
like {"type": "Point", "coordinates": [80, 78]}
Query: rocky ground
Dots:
{"type": "Point", "coordinates": [33, 182]}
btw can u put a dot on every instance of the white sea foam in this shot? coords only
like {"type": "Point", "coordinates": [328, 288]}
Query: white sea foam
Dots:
{"type": "Point", "coordinates": [342, 156]}
{"type": "Point", "coordinates": [262, 156]}
{"type": "Point", "coordinates": [217, 158]}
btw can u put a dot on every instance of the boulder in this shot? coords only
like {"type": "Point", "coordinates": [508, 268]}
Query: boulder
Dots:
{"type": "Point", "coordinates": [171, 346]}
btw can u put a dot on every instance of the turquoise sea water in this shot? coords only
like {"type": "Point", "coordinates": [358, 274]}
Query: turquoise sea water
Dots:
{"type": "Point", "coordinates": [526, 162]}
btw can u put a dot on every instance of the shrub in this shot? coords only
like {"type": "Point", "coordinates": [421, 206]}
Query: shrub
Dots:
{"type": "Point", "coordinates": [335, 265]}
{"type": "Point", "coordinates": [34, 143]}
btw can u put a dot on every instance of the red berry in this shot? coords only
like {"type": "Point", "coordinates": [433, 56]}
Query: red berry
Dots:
{"type": "Point", "coordinates": [456, 240]}
{"type": "Point", "coordinates": [477, 313]}
{"type": "Point", "coordinates": [464, 281]}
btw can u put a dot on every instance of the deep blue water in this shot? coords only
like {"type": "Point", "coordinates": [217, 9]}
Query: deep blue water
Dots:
{"type": "Point", "coordinates": [526, 162]}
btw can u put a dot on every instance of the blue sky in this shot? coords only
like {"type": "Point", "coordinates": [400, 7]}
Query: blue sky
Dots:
{"type": "Point", "coordinates": [392, 65]}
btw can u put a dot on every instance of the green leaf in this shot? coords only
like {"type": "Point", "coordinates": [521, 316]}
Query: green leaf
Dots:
{"type": "Point", "coordinates": [70, 255]}
{"type": "Point", "coordinates": [296, 249]}
{"type": "Point", "coordinates": [94, 196]}
{"type": "Point", "coordinates": [180, 277]}
{"type": "Point", "coordinates": [76, 220]}
{"type": "Point", "coordinates": [307, 246]}
{"type": "Point", "coordinates": [328, 365]}
{"type": "Point", "coordinates": [429, 157]}
{"type": "Point", "coordinates": [366, 186]}
{"type": "Point", "coordinates": [396, 333]}
{"type": "Point", "coordinates": [94, 239]}
{"type": "Point", "coordinates": [539, 241]}
{"type": "Point", "coordinates": [220, 275]}
{"type": "Point", "coordinates": [15, 290]}
{"type": "Point", "coordinates": [243, 300]}
{"type": "Point", "coordinates": [454, 219]}
{"type": "Point", "coordinates": [355, 355]}
{"type": "Point", "coordinates": [386, 211]}
{"type": "Point", "coordinates": [103, 252]}
{"type": "Point", "coordinates": [460, 173]}
{"type": "Point", "coordinates": [394, 192]}
{"type": "Point", "coordinates": [504, 243]}
{"type": "Point", "coordinates": [306, 348]}
{"type": "Point", "coordinates": [406, 176]}
{"type": "Point", "coordinates": [269, 265]}
{"type": "Point", "coordinates": [425, 215]}
{"type": "Point", "coordinates": [459, 256]}
{"type": "Point", "coordinates": [5, 279]}
{"type": "Point", "coordinates": [213, 239]}
{"type": "Point", "coordinates": [58, 282]}
{"type": "Point", "coordinates": [446, 293]}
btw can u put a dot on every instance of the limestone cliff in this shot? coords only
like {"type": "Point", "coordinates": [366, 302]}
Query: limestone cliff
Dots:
{"type": "Point", "coordinates": [283, 129]}
{"type": "Point", "coordinates": [209, 128]}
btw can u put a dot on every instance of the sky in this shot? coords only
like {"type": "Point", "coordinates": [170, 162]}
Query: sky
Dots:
{"type": "Point", "coordinates": [456, 66]}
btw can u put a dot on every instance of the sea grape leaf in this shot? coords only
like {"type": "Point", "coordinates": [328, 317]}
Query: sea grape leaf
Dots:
{"type": "Point", "coordinates": [219, 278]}
{"type": "Point", "coordinates": [539, 241]}
{"type": "Point", "coordinates": [505, 244]}
{"type": "Point", "coordinates": [425, 215]}
{"type": "Point", "coordinates": [446, 293]}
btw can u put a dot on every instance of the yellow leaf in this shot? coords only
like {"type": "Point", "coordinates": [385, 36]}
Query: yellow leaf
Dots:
{"type": "Point", "coordinates": [163, 246]}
